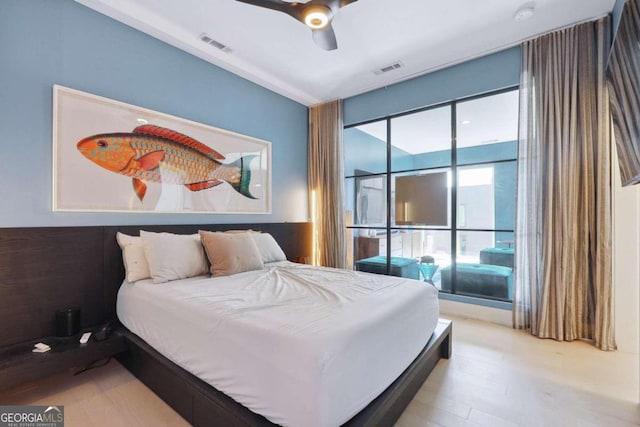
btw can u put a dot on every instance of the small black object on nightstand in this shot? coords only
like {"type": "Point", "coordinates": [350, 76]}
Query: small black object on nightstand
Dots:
{"type": "Point", "coordinates": [103, 332]}
{"type": "Point", "coordinates": [68, 322]}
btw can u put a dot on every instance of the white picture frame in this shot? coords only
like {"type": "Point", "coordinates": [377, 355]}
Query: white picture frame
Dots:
{"type": "Point", "coordinates": [122, 167]}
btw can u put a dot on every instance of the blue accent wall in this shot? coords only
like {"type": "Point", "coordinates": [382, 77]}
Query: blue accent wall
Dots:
{"type": "Point", "coordinates": [44, 42]}
{"type": "Point", "coordinates": [489, 73]}
{"type": "Point", "coordinates": [504, 178]}
{"type": "Point", "coordinates": [363, 152]}
{"type": "Point", "coordinates": [367, 153]}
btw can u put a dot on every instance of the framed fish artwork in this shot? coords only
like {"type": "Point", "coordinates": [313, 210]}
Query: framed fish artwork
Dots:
{"type": "Point", "coordinates": [111, 156]}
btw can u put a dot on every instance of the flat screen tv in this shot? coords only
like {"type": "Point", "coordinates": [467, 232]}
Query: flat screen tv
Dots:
{"type": "Point", "coordinates": [422, 199]}
{"type": "Point", "coordinates": [623, 76]}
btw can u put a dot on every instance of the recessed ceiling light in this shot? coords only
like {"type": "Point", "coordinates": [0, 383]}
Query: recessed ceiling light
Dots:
{"type": "Point", "coordinates": [465, 122]}
{"type": "Point", "coordinates": [525, 12]}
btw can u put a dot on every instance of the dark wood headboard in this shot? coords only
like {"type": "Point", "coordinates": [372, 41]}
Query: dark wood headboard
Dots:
{"type": "Point", "coordinates": [46, 269]}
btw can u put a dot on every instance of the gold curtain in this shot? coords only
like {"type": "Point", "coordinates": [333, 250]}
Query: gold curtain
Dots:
{"type": "Point", "coordinates": [563, 273]}
{"type": "Point", "coordinates": [326, 184]}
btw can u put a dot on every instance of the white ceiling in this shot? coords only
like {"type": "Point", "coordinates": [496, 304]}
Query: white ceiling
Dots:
{"type": "Point", "coordinates": [276, 51]}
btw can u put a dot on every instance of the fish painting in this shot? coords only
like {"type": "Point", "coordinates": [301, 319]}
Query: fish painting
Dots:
{"type": "Point", "coordinates": [154, 154]}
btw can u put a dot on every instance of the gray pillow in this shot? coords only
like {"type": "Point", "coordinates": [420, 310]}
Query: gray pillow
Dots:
{"type": "Point", "coordinates": [230, 253]}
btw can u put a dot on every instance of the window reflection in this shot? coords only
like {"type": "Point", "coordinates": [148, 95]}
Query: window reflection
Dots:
{"type": "Point", "coordinates": [371, 206]}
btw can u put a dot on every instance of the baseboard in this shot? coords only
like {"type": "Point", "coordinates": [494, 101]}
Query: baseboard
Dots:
{"type": "Point", "coordinates": [478, 312]}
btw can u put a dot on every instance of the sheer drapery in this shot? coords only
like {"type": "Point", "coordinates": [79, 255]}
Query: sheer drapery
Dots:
{"type": "Point", "coordinates": [528, 255]}
{"type": "Point", "coordinates": [326, 191]}
{"type": "Point", "coordinates": [563, 276]}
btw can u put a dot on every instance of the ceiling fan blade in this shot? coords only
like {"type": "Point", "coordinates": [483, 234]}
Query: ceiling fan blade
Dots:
{"type": "Point", "coordinates": [325, 38]}
{"type": "Point", "coordinates": [292, 9]}
{"type": "Point", "coordinates": [344, 3]}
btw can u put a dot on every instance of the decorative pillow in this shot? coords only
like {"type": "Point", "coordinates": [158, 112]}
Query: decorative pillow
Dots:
{"type": "Point", "coordinates": [135, 262]}
{"type": "Point", "coordinates": [231, 253]}
{"type": "Point", "coordinates": [173, 256]}
{"type": "Point", "coordinates": [269, 249]}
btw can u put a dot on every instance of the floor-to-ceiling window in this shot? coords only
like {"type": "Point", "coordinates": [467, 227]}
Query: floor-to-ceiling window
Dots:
{"type": "Point", "coordinates": [430, 195]}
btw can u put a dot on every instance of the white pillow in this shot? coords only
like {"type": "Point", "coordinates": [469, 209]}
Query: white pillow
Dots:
{"type": "Point", "coordinates": [135, 262]}
{"type": "Point", "coordinates": [269, 249]}
{"type": "Point", "coordinates": [173, 256]}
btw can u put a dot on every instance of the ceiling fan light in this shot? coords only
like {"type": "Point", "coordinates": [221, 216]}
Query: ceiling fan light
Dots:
{"type": "Point", "coordinates": [316, 17]}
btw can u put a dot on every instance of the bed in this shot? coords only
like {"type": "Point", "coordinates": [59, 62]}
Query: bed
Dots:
{"type": "Point", "coordinates": [229, 378]}
{"type": "Point", "coordinates": [299, 345]}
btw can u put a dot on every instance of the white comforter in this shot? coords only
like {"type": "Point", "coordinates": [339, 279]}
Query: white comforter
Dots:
{"type": "Point", "coordinates": [300, 345]}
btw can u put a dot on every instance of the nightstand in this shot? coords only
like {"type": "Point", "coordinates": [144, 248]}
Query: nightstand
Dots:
{"type": "Point", "coordinates": [18, 364]}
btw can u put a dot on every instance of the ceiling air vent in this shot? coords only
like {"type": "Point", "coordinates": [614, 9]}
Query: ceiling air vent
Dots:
{"type": "Point", "coordinates": [388, 68]}
{"type": "Point", "coordinates": [208, 40]}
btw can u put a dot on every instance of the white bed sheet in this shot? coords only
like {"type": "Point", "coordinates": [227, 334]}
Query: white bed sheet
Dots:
{"type": "Point", "coordinates": [300, 345]}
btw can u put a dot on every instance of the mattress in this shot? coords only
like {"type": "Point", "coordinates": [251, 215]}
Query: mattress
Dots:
{"type": "Point", "coordinates": [300, 345]}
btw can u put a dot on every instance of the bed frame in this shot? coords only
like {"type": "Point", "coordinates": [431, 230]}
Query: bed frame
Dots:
{"type": "Point", "coordinates": [45, 269]}
{"type": "Point", "coordinates": [202, 405]}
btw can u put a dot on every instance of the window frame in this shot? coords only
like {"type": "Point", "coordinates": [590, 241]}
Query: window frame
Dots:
{"type": "Point", "coordinates": [453, 167]}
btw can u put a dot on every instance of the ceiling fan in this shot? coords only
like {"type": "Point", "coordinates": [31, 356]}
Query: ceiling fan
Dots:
{"type": "Point", "coordinates": [316, 14]}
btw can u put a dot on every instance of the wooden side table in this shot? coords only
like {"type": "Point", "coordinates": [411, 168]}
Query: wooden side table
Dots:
{"type": "Point", "coordinates": [18, 364]}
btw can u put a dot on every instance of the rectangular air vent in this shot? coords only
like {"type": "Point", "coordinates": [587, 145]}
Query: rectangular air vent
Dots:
{"type": "Point", "coordinates": [388, 68]}
{"type": "Point", "coordinates": [208, 40]}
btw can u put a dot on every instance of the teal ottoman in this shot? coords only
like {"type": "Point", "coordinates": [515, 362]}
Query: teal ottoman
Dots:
{"type": "Point", "coordinates": [483, 280]}
{"type": "Point", "coordinates": [401, 267]}
{"type": "Point", "coordinates": [497, 256]}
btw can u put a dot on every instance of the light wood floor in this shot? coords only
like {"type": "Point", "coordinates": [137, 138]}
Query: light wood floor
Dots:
{"type": "Point", "coordinates": [496, 377]}
{"type": "Point", "coordinates": [501, 377]}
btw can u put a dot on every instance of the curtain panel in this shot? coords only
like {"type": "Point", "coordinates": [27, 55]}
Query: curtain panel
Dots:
{"type": "Point", "coordinates": [563, 273]}
{"type": "Point", "coordinates": [326, 191]}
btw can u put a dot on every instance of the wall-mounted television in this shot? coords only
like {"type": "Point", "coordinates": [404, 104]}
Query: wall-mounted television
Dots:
{"type": "Point", "coordinates": [422, 199]}
{"type": "Point", "coordinates": [623, 76]}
